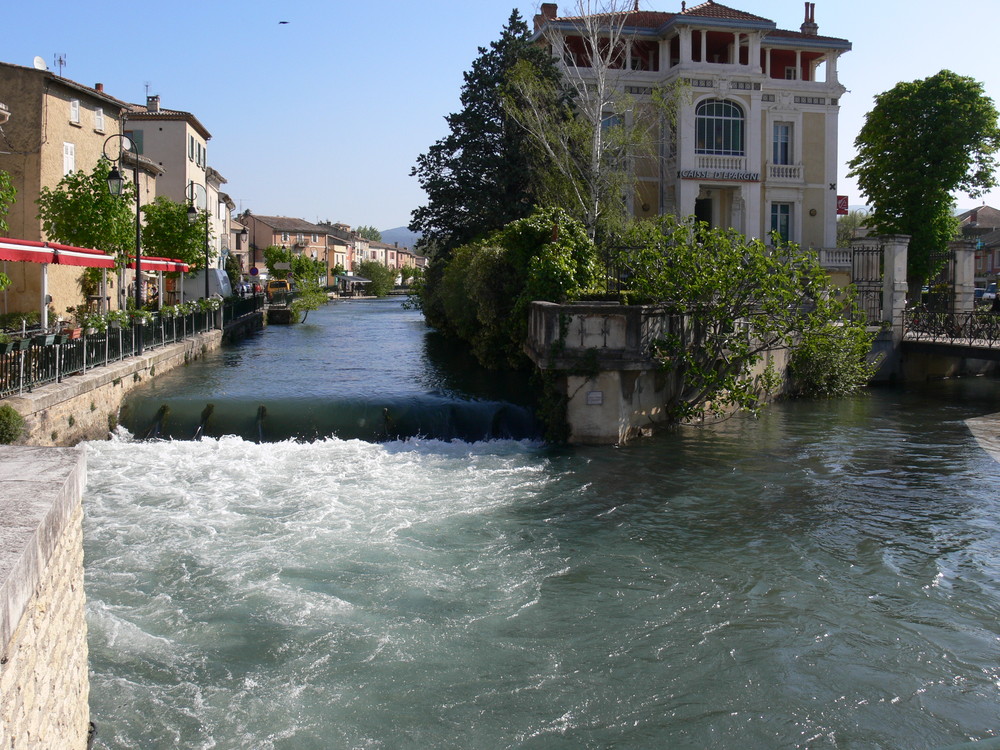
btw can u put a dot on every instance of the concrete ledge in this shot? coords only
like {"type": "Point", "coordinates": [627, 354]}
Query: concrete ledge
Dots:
{"type": "Point", "coordinates": [40, 488]}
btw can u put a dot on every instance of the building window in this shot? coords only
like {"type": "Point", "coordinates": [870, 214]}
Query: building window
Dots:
{"type": "Point", "coordinates": [719, 128]}
{"type": "Point", "coordinates": [315, 238]}
{"type": "Point", "coordinates": [135, 136]}
{"type": "Point", "coordinates": [781, 220]}
{"type": "Point", "coordinates": [74, 111]}
{"type": "Point", "coordinates": [191, 148]}
{"type": "Point", "coordinates": [781, 148]}
{"type": "Point", "coordinates": [69, 158]}
{"type": "Point", "coordinates": [284, 236]}
{"type": "Point", "coordinates": [99, 119]}
{"type": "Point", "coordinates": [791, 73]}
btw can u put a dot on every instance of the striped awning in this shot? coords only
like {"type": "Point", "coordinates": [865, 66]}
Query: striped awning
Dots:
{"type": "Point", "coordinates": [27, 251]}
{"type": "Point", "coordinates": [152, 263]}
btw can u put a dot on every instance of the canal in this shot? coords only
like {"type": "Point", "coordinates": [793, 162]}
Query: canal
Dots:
{"type": "Point", "coordinates": [827, 576]}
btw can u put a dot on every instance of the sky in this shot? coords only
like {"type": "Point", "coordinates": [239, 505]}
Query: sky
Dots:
{"type": "Point", "coordinates": [323, 117]}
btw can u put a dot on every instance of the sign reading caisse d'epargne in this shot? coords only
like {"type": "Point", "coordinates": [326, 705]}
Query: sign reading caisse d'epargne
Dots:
{"type": "Point", "coordinates": [712, 174]}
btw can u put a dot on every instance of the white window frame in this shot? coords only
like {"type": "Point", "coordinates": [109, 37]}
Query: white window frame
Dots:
{"type": "Point", "coordinates": [99, 119]}
{"type": "Point", "coordinates": [74, 111]}
{"type": "Point", "coordinates": [69, 158]}
{"type": "Point", "coordinates": [791, 73]}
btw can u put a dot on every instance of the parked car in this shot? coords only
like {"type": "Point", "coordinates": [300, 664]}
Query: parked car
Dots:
{"type": "Point", "coordinates": [277, 286]}
{"type": "Point", "coordinates": [990, 293]}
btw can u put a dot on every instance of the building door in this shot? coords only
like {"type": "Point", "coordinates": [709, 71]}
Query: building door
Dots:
{"type": "Point", "coordinates": [703, 210]}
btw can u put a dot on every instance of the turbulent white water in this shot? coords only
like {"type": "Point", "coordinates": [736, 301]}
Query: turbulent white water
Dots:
{"type": "Point", "coordinates": [826, 577]}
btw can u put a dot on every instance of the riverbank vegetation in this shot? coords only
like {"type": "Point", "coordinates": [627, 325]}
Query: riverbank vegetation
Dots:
{"type": "Point", "coordinates": [526, 202]}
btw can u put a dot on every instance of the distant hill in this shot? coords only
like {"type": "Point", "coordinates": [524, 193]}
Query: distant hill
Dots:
{"type": "Point", "coordinates": [400, 235]}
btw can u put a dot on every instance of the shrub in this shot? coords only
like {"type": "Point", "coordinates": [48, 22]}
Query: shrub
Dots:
{"type": "Point", "coordinates": [11, 425]}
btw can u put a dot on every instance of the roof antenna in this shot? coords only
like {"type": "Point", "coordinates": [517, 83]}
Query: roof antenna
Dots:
{"type": "Point", "coordinates": [636, 6]}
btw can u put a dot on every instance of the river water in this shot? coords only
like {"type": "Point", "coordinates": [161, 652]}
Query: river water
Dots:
{"type": "Point", "coordinates": [827, 576]}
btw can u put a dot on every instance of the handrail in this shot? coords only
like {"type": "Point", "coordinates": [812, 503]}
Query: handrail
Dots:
{"type": "Point", "coordinates": [50, 357]}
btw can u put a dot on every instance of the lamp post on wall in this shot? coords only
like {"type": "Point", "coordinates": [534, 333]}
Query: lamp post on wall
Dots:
{"type": "Point", "coordinates": [116, 184]}
{"type": "Point", "coordinates": [193, 217]}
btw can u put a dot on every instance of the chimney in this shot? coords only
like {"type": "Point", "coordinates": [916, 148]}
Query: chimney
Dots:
{"type": "Point", "coordinates": [99, 87]}
{"type": "Point", "coordinates": [153, 103]}
{"type": "Point", "coordinates": [549, 12]}
{"type": "Point", "coordinates": [809, 27]}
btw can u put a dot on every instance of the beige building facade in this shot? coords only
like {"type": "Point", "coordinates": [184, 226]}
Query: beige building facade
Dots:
{"type": "Point", "coordinates": [55, 126]}
{"type": "Point", "coordinates": [754, 146]}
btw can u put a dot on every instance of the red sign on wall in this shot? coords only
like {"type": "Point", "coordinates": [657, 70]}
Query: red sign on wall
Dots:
{"type": "Point", "coordinates": [842, 209]}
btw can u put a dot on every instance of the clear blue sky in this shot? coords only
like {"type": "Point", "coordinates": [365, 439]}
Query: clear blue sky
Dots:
{"type": "Point", "coordinates": [324, 116]}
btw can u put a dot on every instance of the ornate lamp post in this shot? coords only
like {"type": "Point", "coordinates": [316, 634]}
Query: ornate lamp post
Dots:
{"type": "Point", "coordinates": [116, 184]}
{"type": "Point", "coordinates": [193, 217]}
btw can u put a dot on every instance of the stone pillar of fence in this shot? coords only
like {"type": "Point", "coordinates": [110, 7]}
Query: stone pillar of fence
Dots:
{"type": "Point", "coordinates": [894, 282]}
{"type": "Point", "coordinates": [964, 279]}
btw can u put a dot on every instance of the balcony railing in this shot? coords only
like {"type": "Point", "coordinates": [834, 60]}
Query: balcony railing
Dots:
{"type": "Point", "coordinates": [722, 163]}
{"type": "Point", "coordinates": [788, 172]}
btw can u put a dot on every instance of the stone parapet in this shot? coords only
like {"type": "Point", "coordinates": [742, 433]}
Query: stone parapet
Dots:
{"type": "Point", "coordinates": [44, 682]}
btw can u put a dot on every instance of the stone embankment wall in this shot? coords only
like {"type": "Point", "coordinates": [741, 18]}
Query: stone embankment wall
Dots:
{"type": "Point", "coordinates": [44, 679]}
{"type": "Point", "coordinates": [85, 407]}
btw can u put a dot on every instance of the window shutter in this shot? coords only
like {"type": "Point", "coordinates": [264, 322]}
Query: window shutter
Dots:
{"type": "Point", "coordinates": [69, 158]}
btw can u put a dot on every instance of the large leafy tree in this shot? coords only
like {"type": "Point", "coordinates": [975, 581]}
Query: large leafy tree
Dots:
{"type": "Point", "coordinates": [7, 196]}
{"type": "Point", "coordinates": [590, 137]}
{"type": "Point", "coordinates": [169, 233]}
{"type": "Point", "coordinates": [302, 266]}
{"type": "Point", "coordinates": [735, 299]}
{"type": "Point", "coordinates": [8, 193]}
{"type": "Point", "coordinates": [381, 276]}
{"type": "Point", "coordinates": [369, 233]}
{"type": "Point", "coordinates": [478, 178]}
{"type": "Point", "coordinates": [922, 141]}
{"type": "Point", "coordinates": [81, 211]}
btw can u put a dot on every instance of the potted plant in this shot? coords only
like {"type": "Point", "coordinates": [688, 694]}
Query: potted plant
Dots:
{"type": "Point", "coordinates": [6, 343]}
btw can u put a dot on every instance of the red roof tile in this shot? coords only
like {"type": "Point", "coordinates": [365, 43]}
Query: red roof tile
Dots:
{"type": "Point", "coordinates": [713, 9]}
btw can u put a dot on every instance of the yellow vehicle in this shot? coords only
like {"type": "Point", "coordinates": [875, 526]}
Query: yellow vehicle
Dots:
{"type": "Point", "coordinates": [277, 286]}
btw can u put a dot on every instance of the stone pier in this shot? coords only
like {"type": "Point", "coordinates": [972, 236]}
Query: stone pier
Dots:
{"type": "Point", "coordinates": [44, 679]}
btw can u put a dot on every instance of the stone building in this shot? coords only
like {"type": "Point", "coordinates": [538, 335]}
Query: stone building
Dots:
{"type": "Point", "coordinates": [754, 146]}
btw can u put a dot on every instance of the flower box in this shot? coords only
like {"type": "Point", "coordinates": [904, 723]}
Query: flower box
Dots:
{"type": "Point", "coordinates": [45, 339]}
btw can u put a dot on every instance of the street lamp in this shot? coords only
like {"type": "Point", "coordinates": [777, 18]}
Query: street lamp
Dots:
{"type": "Point", "coordinates": [193, 217]}
{"type": "Point", "coordinates": [116, 184]}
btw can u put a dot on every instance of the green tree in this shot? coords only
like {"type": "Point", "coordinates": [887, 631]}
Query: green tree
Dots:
{"type": "Point", "coordinates": [921, 142]}
{"type": "Point", "coordinates": [589, 135]}
{"type": "Point", "coordinates": [479, 177]}
{"type": "Point", "coordinates": [735, 299]}
{"type": "Point", "coordinates": [168, 233]}
{"type": "Point", "coordinates": [482, 294]}
{"type": "Point", "coordinates": [369, 233]}
{"type": "Point", "coordinates": [80, 211]}
{"type": "Point", "coordinates": [308, 296]}
{"type": "Point", "coordinates": [8, 194]}
{"type": "Point", "coordinates": [302, 266]}
{"type": "Point", "coordinates": [847, 224]}
{"type": "Point", "coordinates": [382, 277]}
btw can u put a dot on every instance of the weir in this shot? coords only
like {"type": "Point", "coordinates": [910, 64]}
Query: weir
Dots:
{"type": "Point", "coordinates": [372, 420]}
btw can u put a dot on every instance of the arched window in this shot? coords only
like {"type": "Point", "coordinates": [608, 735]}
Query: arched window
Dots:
{"type": "Point", "coordinates": [719, 126]}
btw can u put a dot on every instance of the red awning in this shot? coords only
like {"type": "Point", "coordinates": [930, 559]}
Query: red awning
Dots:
{"type": "Point", "coordinates": [152, 263]}
{"type": "Point", "coordinates": [26, 251]}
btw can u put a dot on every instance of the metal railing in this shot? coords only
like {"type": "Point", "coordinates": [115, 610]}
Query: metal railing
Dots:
{"type": "Point", "coordinates": [43, 357]}
{"type": "Point", "coordinates": [980, 328]}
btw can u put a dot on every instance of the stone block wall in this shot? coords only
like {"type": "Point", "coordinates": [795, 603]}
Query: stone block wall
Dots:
{"type": "Point", "coordinates": [44, 679]}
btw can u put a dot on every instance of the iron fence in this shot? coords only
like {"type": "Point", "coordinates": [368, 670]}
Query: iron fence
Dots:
{"type": "Point", "coordinates": [980, 328]}
{"type": "Point", "coordinates": [42, 357]}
